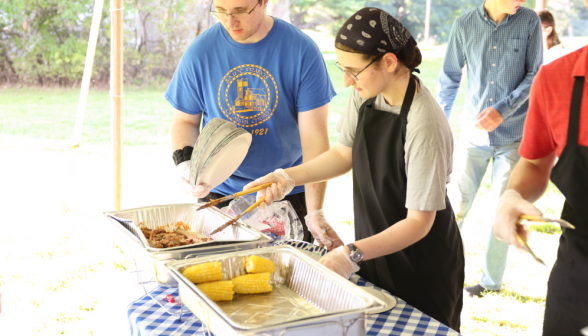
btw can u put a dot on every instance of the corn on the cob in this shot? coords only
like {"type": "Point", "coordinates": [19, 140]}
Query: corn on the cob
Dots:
{"type": "Point", "coordinates": [257, 264]}
{"type": "Point", "coordinates": [252, 283]}
{"type": "Point", "coordinates": [218, 291]}
{"type": "Point", "coordinates": [207, 272]}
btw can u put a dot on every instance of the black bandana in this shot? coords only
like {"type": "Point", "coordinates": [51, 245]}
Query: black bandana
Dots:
{"type": "Point", "coordinates": [373, 31]}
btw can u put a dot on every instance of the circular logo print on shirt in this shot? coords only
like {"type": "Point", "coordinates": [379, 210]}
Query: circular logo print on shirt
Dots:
{"type": "Point", "coordinates": [248, 95]}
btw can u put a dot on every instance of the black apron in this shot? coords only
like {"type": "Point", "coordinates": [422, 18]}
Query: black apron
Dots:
{"type": "Point", "coordinates": [429, 274]}
{"type": "Point", "coordinates": [566, 310]}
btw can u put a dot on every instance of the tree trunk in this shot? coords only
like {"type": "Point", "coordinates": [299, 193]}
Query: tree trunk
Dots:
{"type": "Point", "coordinates": [540, 4]}
{"type": "Point", "coordinates": [279, 9]}
{"type": "Point", "coordinates": [202, 17]}
{"type": "Point", "coordinates": [427, 21]}
{"type": "Point", "coordinates": [569, 9]}
{"type": "Point", "coordinates": [141, 32]}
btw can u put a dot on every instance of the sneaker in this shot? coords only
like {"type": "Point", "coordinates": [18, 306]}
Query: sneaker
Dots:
{"type": "Point", "coordinates": [476, 291]}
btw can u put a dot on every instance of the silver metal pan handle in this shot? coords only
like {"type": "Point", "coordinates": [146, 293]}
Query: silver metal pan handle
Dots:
{"type": "Point", "coordinates": [314, 325]}
{"type": "Point", "coordinates": [201, 254]}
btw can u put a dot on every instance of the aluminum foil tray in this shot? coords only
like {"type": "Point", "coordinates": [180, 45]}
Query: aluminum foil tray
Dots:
{"type": "Point", "coordinates": [306, 296]}
{"type": "Point", "coordinates": [149, 263]}
{"type": "Point", "coordinates": [204, 221]}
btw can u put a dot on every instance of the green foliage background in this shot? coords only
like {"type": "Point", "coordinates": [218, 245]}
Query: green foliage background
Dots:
{"type": "Point", "coordinates": [44, 42]}
{"type": "Point", "coordinates": [410, 12]}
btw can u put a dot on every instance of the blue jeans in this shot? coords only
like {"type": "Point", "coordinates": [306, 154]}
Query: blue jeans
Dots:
{"type": "Point", "coordinates": [470, 164]}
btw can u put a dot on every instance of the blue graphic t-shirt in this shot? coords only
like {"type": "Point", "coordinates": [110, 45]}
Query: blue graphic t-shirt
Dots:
{"type": "Point", "coordinates": [260, 87]}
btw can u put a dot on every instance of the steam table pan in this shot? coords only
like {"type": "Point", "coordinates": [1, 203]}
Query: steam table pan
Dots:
{"type": "Point", "coordinates": [306, 297]}
{"type": "Point", "coordinates": [129, 237]}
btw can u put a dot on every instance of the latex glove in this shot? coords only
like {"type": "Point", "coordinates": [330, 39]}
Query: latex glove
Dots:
{"type": "Point", "coordinates": [510, 207]}
{"type": "Point", "coordinates": [339, 261]}
{"type": "Point", "coordinates": [282, 186]}
{"type": "Point", "coordinates": [321, 230]}
{"type": "Point", "coordinates": [199, 191]}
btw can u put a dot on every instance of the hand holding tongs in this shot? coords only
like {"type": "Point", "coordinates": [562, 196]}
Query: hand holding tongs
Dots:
{"type": "Point", "coordinates": [530, 218]}
{"type": "Point", "coordinates": [230, 197]}
{"type": "Point", "coordinates": [232, 221]}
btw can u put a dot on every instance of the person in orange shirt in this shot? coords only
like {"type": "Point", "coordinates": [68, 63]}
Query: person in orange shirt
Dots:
{"type": "Point", "coordinates": [556, 127]}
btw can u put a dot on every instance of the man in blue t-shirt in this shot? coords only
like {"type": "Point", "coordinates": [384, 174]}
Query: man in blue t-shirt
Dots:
{"type": "Point", "coordinates": [267, 77]}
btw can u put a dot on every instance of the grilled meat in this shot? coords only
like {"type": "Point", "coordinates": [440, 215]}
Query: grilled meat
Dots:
{"type": "Point", "coordinates": [160, 238]}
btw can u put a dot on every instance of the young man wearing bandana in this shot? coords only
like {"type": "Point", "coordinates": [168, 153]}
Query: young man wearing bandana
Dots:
{"type": "Point", "coordinates": [397, 140]}
{"type": "Point", "coordinates": [267, 77]}
{"type": "Point", "coordinates": [500, 42]}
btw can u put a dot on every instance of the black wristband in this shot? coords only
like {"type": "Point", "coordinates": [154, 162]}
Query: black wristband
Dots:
{"type": "Point", "coordinates": [182, 155]}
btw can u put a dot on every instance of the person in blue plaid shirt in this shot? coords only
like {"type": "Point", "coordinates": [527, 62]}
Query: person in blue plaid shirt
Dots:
{"type": "Point", "coordinates": [500, 42]}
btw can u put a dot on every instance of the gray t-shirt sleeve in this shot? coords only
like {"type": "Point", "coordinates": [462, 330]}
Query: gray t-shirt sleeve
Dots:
{"type": "Point", "coordinates": [348, 122]}
{"type": "Point", "coordinates": [426, 179]}
{"type": "Point", "coordinates": [428, 154]}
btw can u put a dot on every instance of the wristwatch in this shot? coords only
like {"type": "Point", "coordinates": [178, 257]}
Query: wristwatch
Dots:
{"type": "Point", "coordinates": [355, 254]}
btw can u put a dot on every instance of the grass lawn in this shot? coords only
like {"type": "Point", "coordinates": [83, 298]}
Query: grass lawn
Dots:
{"type": "Point", "coordinates": [57, 265]}
{"type": "Point", "coordinates": [50, 113]}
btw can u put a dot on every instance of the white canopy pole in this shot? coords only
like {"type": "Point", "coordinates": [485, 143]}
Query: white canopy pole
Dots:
{"type": "Point", "coordinates": [92, 40]}
{"type": "Point", "coordinates": [116, 92]}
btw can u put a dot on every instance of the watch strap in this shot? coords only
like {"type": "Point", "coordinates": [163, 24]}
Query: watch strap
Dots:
{"type": "Point", "coordinates": [182, 155]}
{"type": "Point", "coordinates": [352, 251]}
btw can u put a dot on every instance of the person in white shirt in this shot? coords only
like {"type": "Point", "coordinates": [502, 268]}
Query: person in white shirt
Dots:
{"type": "Point", "coordinates": [552, 46]}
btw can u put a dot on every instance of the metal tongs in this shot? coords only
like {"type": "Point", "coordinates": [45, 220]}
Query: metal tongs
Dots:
{"type": "Point", "coordinates": [232, 221]}
{"type": "Point", "coordinates": [236, 195]}
{"type": "Point", "coordinates": [538, 219]}
{"type": "Point", "coordinates": [230, 197]}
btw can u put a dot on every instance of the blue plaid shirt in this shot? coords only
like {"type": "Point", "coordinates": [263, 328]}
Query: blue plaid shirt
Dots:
{"type": "Point", "coordinates": [502, 61]}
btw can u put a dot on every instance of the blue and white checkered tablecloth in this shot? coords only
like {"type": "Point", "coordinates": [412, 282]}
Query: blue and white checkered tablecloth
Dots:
{"type": "Point", "coordinates": [148, 318]}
